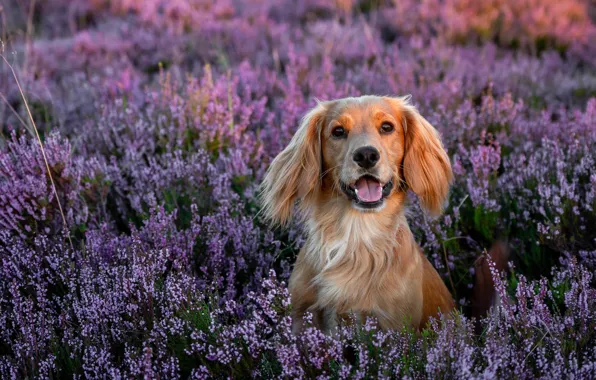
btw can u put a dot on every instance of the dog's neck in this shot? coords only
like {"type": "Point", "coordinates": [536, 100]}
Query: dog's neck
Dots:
{"type": "Point", "coordinates": [339, 234]}
{"type": "Point", "coordinates": [347, 246]}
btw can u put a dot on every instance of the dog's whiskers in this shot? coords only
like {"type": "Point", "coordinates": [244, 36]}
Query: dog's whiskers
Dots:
{"type": "Point", "coordinates": [400, 183]}
{"type": "Point", "coordinates": [328, 170]}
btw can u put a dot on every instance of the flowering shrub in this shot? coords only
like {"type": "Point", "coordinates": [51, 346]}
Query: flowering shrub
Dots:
{"type": "Point", "coordinates": [159, 119]}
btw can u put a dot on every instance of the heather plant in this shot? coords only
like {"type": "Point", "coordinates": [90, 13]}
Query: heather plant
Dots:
{"type": "Point", "coordinates": [159, 119]}
{"type": "Point", "coordinates": [27, 201]}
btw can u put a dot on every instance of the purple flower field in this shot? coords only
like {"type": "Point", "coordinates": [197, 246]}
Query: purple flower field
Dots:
{"type": "Point", "coordinates": [159, 119]}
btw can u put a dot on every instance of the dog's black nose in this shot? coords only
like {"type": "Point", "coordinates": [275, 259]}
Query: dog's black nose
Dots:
{"type": "Point", "coordinates": [366, 157]}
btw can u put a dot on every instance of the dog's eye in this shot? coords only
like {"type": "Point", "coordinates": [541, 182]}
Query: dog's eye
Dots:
{"type": "Point", "coordinates": [339, 132]}
{"type": "Point", "coordinates": [386, 128]}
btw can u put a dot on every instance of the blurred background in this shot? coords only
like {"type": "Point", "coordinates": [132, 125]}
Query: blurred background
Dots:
{"type": "Point", "coordinates": [72, 53]}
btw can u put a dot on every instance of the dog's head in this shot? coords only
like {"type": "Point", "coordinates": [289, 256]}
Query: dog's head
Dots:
{"type": "Point", "coordinates": [363, 150]}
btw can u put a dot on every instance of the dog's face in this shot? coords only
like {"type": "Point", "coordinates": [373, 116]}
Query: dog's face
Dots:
{"type": "Point", "coordinates": [362, 144]}
{"type": "Point", "coordinates": [363, 150]}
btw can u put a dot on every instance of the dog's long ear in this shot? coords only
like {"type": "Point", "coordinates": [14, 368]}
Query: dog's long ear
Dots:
{"type": "Point", "coordinates": [295, 173]}
{"type": "Point", "coordinates": [426, 165]}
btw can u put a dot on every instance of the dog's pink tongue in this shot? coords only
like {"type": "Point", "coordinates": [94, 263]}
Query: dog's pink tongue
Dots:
{"type": "Point", "coordinates": [368, 190]}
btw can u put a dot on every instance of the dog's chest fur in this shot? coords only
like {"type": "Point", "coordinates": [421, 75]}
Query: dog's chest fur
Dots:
{"type": "Point", "coordinates": [358, 265]}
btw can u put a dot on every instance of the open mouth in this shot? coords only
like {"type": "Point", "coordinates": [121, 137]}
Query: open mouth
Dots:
{"type": "Point", "coordinates": [367, 192]}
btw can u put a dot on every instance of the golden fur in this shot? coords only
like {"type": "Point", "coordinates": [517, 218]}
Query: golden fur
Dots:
{"type": "Point", "coordinates": [359, 260]}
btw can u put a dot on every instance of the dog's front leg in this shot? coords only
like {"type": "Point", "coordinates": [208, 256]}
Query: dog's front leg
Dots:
{"type": "Point", "coordinates": [303, 293]}
{"type": "Point", "coordinates": [329, 322]}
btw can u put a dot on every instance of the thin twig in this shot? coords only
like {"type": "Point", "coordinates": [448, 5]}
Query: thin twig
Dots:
{"type": "Point", "coordinates": [27, 127]}
{"type": "Point", "coordinates": [43, 152]}
{"type": "Point", "coordinates": [449, 271]}
{"type": "Point", "coordinates": [462, 202]}
{"type": "Point", "coordinates": [535, 347]}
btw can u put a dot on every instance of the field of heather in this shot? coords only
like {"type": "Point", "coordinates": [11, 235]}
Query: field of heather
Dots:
{"type": "Point", "coordinates": [159, 119]}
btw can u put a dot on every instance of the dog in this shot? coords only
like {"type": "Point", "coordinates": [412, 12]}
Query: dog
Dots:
{"type": "Point", "coordinates": [349, 167]}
